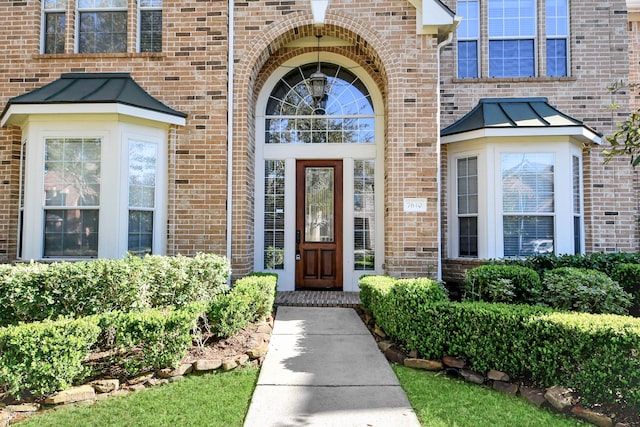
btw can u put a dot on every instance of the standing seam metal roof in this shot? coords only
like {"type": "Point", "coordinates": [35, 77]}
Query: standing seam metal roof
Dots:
{"type": "Point", "coordinates": [513, 113]}
{"type": "Point", "coordinates": [92, 88]}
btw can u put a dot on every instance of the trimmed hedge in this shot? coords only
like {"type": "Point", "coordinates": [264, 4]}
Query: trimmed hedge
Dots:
{"type": "Point", "coordinates": [396, 302]}
{"type": "Point", "coordinates": [33, 292]}
{"type": "Point", "coordinates": [45, 357]}
{"type": "Point", "coordinates": [250, 299]}
{"type": "Point", "coordinates": [503, 283]}
{"type": "Point", "coordinates": [148, 340]}
{"type": "Point", "coordinates": [596, 354]}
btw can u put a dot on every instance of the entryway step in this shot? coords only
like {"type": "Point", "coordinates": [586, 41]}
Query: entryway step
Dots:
{"type": "Point", "coordinates": [318, 299]}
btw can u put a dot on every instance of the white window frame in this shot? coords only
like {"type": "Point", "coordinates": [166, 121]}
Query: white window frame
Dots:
{"type": "Point", "coordinates": [79, 11]}
{"type": "Point", "coordinates": [43, 21]}
{"type": "Point", "coordinates": [490, 214]}
{"type": "Point", "coordinates": [468, 39]}
{"type": "Point", "coordinates": [142, 8]}
{"type": "Point", "coordinates": [539, 43]}
{"type": "Point", "coordinates": [114, 206]}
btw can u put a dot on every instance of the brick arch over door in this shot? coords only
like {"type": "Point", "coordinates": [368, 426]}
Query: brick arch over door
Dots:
{"type": "Point", "coordinates": [255, 65]}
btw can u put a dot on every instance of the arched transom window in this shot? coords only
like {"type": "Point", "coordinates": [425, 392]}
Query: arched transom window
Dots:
{"type": "Point", "coordinates": [344, 115]}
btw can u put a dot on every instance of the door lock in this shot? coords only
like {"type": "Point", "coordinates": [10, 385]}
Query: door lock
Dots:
{"type": "Point", "coordinates": [298, 257]}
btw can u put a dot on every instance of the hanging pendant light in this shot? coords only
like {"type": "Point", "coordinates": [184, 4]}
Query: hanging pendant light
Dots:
{"type": "Point", "coordinates": [318, 82]}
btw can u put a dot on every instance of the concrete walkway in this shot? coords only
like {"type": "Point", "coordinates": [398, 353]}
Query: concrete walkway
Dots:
{"type": "Point", "coordinates": [324, 369]}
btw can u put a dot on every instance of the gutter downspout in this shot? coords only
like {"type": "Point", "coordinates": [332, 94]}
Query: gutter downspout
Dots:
{"type": "Point", "coordinates": [441, 46]}
{"type": "Point", "coordinates": [230, 89]}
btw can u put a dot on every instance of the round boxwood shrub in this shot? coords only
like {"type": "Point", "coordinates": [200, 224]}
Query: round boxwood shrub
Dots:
{"type": "Point", "coordinates": [502, 283]}
{"type": "Point", "coordinates": [591, 291]}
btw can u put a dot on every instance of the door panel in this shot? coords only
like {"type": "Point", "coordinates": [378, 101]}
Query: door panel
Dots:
{"type": "Point", "coordinates": [319, 224]}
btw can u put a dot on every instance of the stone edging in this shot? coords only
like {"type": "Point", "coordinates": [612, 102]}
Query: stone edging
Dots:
{"type": "Point", "coordinates": [556, 398]}
{"type": "Point", "coordinates": [103, 389]}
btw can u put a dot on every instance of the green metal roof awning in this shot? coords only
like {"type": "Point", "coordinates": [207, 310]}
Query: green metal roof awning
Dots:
{"type": "Point", "coordinates": [86, 89]}
{"type": "Point", "coordinates": [516, 116]}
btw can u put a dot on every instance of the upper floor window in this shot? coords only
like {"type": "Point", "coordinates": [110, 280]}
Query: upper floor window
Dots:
{"type": "Point", "coordinates": [150, 26]}
{"type": "Point", "coordinates": [557, 25]}
{"type": "Point", "coordinates": [511, 47]}
{"type": "Point", "coordinates": [512, 36]}
{"type": "Point", "coordinates": [102, 26]}
{"type": "Point", "coordinates": [54, 17]}
{"type": "Point", "coordinates": [468, 35]}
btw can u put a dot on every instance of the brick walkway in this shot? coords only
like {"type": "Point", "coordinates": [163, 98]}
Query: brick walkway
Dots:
{"type": "Point", "coordinates": [318, 299]}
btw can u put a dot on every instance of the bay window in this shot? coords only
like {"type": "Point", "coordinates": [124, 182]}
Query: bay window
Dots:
{"type": "Point", "coordinates": [511, 202]}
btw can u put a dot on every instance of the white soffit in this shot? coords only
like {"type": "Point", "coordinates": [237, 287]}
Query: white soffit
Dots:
{"type": "Point", "coordinates": [579, 132]}
{"type": "Point", "coordinates": [17, 113]}
{"type": "Point", "coordinates": [433, 17]}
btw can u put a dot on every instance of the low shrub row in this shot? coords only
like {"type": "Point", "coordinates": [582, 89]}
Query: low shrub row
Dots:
{"type": "Point", "coordinates": [596, 354]}
{"type": "Point", "coordinates": [617, 265]}
{"type": "Point", "coordinates": [42, 357]}
{"type": "Point", "coordinates": [563, 288]}
{"type": "Point", "coordinates": [36, 291]}
{"type": "Point", "coordinates": [395, 302]}
{"type": "Point", "coordinates": [251, 298]}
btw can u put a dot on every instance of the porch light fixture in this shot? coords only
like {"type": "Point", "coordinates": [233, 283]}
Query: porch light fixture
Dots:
{"type": "Point", "coordinates": [318, 82]}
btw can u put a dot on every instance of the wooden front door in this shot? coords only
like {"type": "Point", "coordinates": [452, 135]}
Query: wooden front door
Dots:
{"type": "Point", "coordinates": [319, 224]}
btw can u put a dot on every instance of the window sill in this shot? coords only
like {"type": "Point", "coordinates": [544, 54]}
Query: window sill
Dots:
{"type": "Point", "coordinates": [515, 79]}
{"type": "Point", "coordinates": [150, 55]}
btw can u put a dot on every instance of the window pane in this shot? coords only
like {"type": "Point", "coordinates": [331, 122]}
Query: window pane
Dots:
{"type": "Point", "coordinates": [151, 3]}
{"type": "Point", "coordinates": [140, 232]}
{"type": "Point", "coordinates": [470, 25]}
{"type": "Point", "coordinates": [54, 32]}
{"type": "Point", "coordinates": [527, 235]}
{"type": "Point", "coordinates": [512, 18]}
{"type": "Point", "coordinates": [72, 172]}
{"type": "Point", "coordinates": [468, 236]}
{"type": "Point", "coordinates": [557, 18]}
{"type": "Point", "coordinates": [54, 4]}
{"type": "Point", "coordinates": [151, 31]}
{"type": "Point", "coordinates": [467, 59]}
{"type": "Point", "coordinates": [527, 183]}
{"type": "Point", "coordinates": [364, 214]}
{"type": "Point", "coordinates": [557, 57]}
{"type": "Point", "coordinates": [71, 233]}
{"type": "Point", "coordinates": [319, 216]}
{"type": "Point", "coordinates": [577, 203]}
{"type": "Point", "coordinates": [142, 174]}
{"type": "Point", "coordinates": [102, 4]}
{"type": "Point", "coordinates": [511, 58]}
{"type": "Point", "coordinates": [467, 187]}
{"type": "Point", "coordinates": [577, 235]}
{"type": "Point", "coordinates": [274, 215]}
{"type": "Point", "coordinates": [102, 32]}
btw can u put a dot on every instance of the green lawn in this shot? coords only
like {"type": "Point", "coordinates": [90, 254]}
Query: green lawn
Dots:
{"type": "Point", "coordinates": [441, 401]}
{"type": "Point", "coordinates": [220, 399]}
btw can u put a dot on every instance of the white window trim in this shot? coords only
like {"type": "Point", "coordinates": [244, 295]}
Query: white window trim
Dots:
{"type": "Point", "coordinates": [490, 215]}
{"type": "Point", "coordinates": [539, 40]}
{"type": "Point", "coordinates": [43, 21]}
{"type": "Point", "coordinates": [140, 9]}
{"type": "Point", "coordinates": [474, 39]}
{"type": "Point", "coordinates": [114, 135]}
{"type": "Point", "coordinates": [292, 152]}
